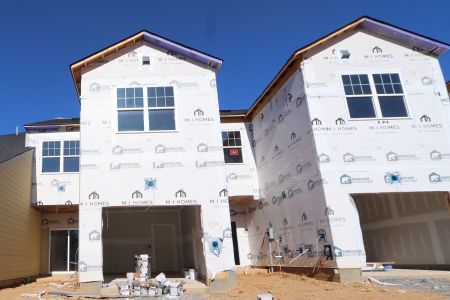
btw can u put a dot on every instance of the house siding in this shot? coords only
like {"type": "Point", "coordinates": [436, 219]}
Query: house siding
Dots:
{"type": "Point", "coordinates": [173, 159]}
{"type": "Point", "coordinates": [20, 224]}
{"type": "Point", "coordinates": [370, 143]}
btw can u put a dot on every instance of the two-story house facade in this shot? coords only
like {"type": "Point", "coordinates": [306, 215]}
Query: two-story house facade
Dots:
{"type": "Point", "coordinates": [342, 160]}
{"type": "Point", "coordinates": [350, 143]}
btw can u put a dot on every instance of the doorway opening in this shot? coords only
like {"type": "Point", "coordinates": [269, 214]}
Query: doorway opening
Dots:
{"type": "Point", "coordinates": [235, 243]}
{"type": "Point", "coordinates": [63, 250]}
{"type": "Point", "coordinates": [170, 235]}
{"type": "Point", "coordinates": [409, 230]}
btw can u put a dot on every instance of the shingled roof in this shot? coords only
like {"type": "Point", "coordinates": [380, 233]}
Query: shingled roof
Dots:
{"type": "Point", "coordinates": [12, 145]}
{"type": "Point", "coordinates": [55, 122]}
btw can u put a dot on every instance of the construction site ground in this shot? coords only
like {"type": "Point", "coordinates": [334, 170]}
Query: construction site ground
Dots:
{"type": "Point", "coordinates": [410, 284]}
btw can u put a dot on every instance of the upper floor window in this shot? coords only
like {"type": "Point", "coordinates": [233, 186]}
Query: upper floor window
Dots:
{"type": "Point", "coordinates": [135, 114]}
{"type": "Point", "coordinates": [51, 152]}
{"type": "Point", "coordinates": [53, 160]}
{"type": "Point", "coordinates": [232, 147]}
{"type": "Point", "coordinates": [130, 105]}
{"type": "Point", "coordinates": [71, 156]}
{"type": "Point", "coordinates": [387, 101]}
{"type": "Point", "coordinates": [390, 95]}
{"type": "Point", "coordinates": [161, 108]}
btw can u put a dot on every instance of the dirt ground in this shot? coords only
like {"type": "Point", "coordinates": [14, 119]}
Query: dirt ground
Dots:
{"type": "Point", "coordinates": [280, 285]}
{"type": "Point", "coordinates": [290, 286]}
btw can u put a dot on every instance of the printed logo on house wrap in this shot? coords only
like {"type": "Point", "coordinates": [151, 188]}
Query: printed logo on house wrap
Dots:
{"type": "Point", "coordinates": [202, 147]}
{"type": "Point", "coordinates": [283, 116]}
{"type": "Point", "coordinates": [235, 176]}
{"type": "Point", "coordinates": [119, 150]}
{"type": "Point", "coordinates": [304, 221]}
{"type": "Point", "coordinates": [277, 152]}
{"type": "Point", "coordinates": [312, 184]}
{"type": "Point", "coordinates": [426, 123]}
{"type": "Point", "coordinates": [339, 127]}
{"type": "Point", "coordinates": [346, 179]}
{"type": "Point", "coordinates": [270, 128]}
{"type": "Point", "coordinates": [94, 151]}
{"type": "Point", "coordinates": [434, 177]}
{"type": "Point", "coordinates": [201, 164]}
{"type": "Point", "coordinates": [377, 54]}
{"type": "Point", "coordinates": [83, 267]}
{"type": "Point", "coordinates": [284, 176]}
{"type": "Point", "coordinates": [349, 157]}
{"type": "Point", "coordinates": [88, 166]}
{"type": "Point", "coordinates": [164, 149]}
{"type": "Point", "coordinates": [338, 252]}
{"type": "Point", "coordinates": [393, 156]}
{"type": "Point", "coordinates": [437, 155]}
{"type": "Point", "coordinates": [199, 117]}
{"type": "Point", "coordinates": [167, 164]}
{"type": "Point", "coordinates": [184, 84]}
{"type": "Point", "coordinates": [331, 218]}
{"type": "Point", "coordinates": [124, 165]}
{"type": "Point", "coordinates": [397, 178]}
{"type": "Point", "coordinates": [96, 87]}
{"type": "Point", "coordinates": [300, 168]}
{"type": "Point", "coordinates": [181, 198]}
{"type": "Point", "coordinates": [94, 235]}
{"type": "Point", "coordinates": [324, 158]}
{"type": "Point", "coordinates": [294, 141]}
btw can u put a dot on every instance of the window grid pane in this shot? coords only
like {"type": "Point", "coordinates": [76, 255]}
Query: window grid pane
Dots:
{"type": "Point", "coordinates": [232, 146]}
{"type": "Point", "coordinates": [130, 98]}
{"type": "Point", "coordinates": [160, 97]}
{"type": "Point", "coordinates": [51, 148]}
{"type": "Point", "coordinates": [71, 148]}
{"type": "Point", "coordinates": [388, 83]}
{"type": "Point", "coordinates": [356, 84]}
{"type": "Point", "coordinates": [231, 138]}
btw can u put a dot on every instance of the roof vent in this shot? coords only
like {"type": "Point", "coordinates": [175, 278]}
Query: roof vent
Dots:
{"type": "Point", "coordinates": [145, 60]}
{"type": "Point", "coordinates": [345, 54]}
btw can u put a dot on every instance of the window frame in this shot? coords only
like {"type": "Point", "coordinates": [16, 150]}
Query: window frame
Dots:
{"type": "Point", "coordinates": [375, 95]}
{"type": "Point", "coordinates": [225, 147]}
{"type": "Point", "coordinates": [156, 108]}
{"type": "Point", "coordinates": [70, 155]}
{"type": "Point", "coordinates": [61, 156]}
{"type": "Point", "coordinates": [127, 109]}
{"type": "Point", "coordinates": [146, 108]}
{"type": "Point", "coordinates": [50, 156]}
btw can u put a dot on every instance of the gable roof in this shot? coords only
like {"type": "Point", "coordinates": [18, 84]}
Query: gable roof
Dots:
{"type": "Point", "coordinates": [12, 145]}
{"type": "Point", "coordinates": [416, 41]}
{"type": "Point", "coordinates": [153, 38]}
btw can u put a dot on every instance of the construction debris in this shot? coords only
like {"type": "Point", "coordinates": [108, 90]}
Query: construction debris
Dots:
{"type": "Point", "coordinates": [34, 295]}
{"type": "Point", "coordinates": [140, 284]}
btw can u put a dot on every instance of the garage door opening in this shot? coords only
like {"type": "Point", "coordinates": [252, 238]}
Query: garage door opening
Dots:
{"type": "Point", "coordinates": [171, 236]}
{"type": "Point", "coordinates": [412, 230]}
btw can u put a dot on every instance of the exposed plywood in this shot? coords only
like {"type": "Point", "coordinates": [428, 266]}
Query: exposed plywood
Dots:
{"type": "Point", "coordinates": [20, 224]}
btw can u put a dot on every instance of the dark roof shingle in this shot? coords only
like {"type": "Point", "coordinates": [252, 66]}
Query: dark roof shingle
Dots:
{"type": "Point", "coordinates": [12, 145]}
{"type": "Point", "coordinates": [57, 121]}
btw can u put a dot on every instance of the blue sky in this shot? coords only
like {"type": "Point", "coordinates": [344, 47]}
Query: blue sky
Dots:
{"type": "Point", "coordinates": [40, 39]}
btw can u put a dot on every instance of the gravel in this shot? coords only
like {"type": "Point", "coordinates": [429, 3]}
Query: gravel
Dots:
{"type": "Point", "coordinates": [433, 285]}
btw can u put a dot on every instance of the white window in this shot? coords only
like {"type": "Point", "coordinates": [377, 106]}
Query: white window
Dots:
{"type": "Point", "coordinates": [390, 95]}
{"type": "Point", "coordinates": [71, 156]}
{"type": "Point", "coordinates": [54, 162]}
{"type": "Point", "coordinates": [378, 96]}
{"type": "Point", "coordinates": [155, 114]}
{"type": "Point", "coordinates": [232, 147]}
{"type": "Point", "coordinates": [130, 106]}
{"type": "Point", "coordinates": [51, 153]}
{"type": "Point", "coordinates": [161, 108]}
